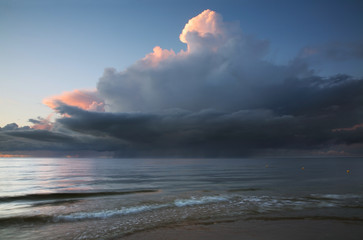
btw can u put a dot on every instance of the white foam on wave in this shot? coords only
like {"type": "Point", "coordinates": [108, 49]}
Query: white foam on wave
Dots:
{"type": "Point", "coordinates": [268, 203]}
{"type": "Point", "coordinates": [198, 201]}
{"type": "Point", "coordinates": [137, 209]}
{"type": "Point", "coordinates": [336, 196]}
{"type": "Point", "coordinates": [108, 213]}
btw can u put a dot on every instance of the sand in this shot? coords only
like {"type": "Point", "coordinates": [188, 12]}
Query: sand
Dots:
{"type": "Point", "coordinates": [258, 230]}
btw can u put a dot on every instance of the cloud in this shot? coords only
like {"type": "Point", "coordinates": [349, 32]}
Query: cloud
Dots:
{"type": "Point", "coordinates": [58, 142]}
{"type": "Point", "coordinates": [219, 98]}
{"type": "Point", "coordinates": [158, 55]}
{"type": "Point", "coordinates": [207, 28]}
{"type": "Point", "coordinates": [184, 133]}
{"type": "Point", "coordinates": [334, 51]}
{"type": "Point", "coordinates": [207, 22]}
{"type": "Point", "coordinates": [212, 133]}
{"type": "Point", "coordinates": [222, 69]}
{"type": "Point", "coordinates": [42, 123]}
{"type": "Point", "coordinates": [13, 155]}
{"type": "Point", "coordinates": [85, 99]}
{"type": "Point", "coordinates": [12, 127]}
{"type": "Point", "coordinates": [354, 128]}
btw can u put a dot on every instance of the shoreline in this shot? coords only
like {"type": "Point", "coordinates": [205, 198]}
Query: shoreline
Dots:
{"type": "Point", "coordinates": [257, 230]}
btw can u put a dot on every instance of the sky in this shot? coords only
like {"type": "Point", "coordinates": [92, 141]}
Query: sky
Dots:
{"type": "Point", "coordinates": [181, 78]}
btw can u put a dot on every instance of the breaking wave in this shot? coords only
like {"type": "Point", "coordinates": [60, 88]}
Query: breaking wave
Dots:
{"type": "Point", "coordinates": [224, 205]}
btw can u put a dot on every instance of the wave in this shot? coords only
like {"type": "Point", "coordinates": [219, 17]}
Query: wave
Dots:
{"type": "Point", "coordinates": [333, 196]}
{"type": "Point", "coordinates": [142, 208]}
{"type": "Point", "coordinates": [226, 205]}
{"type": "Point", "coordinates": [54, 196]}
{"type": "Point", "coordinates": [197, 201]}
{"type": "Point", "coordinates": [78, 216]}
{"type": "Point", "coordinates": [108, 213]}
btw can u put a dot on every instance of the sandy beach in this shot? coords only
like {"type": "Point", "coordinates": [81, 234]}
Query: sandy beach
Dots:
{"type": "Point", "coordinates": [258, 230]}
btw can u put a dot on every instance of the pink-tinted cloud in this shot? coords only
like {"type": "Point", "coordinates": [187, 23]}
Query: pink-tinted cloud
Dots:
{"type": "Point", "coordinates": [355, 127]}
{"type": "Point", "coordinates": [207, 22]}
{"type": "Point", "coordinates": [85, 99]}
{"type": "Point", "coordinates": [158, 55]}
{"type": "Point", "coordinates": [13, 155]}
{"type": "Point", "coordinates": [43, 123]}
{"type": "Point", "coordinates": [206, 31]}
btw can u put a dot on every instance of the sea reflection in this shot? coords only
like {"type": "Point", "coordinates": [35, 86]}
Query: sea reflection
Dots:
{"type": "Point", "coordinates": [29, 175]}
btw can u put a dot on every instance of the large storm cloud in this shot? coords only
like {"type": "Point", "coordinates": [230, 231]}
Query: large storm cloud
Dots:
{"type": "Point", "coordinates": [222, 68]}
{"type": "Point", "coordinates": [218, 98]}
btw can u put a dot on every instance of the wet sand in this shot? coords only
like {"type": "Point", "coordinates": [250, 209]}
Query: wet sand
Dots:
{"type": "Point", "coordinates": [259, 230]}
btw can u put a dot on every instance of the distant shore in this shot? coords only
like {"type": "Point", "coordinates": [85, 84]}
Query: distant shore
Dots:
{"type": "Point", "coordinates": [258, 230]}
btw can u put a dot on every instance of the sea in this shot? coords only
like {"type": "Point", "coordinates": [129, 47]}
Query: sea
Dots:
{"type": "Point", "coordinates": [89, 198]}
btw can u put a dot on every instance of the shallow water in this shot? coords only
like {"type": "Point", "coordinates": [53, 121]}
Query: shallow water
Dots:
{"type": "Point", "coordinates": [105, 198]}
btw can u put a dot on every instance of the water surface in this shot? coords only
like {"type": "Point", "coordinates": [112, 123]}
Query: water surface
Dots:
{"type": "Point", "coordinates": [55, 198]}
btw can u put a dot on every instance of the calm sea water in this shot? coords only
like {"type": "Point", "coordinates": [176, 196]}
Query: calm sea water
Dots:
{"type": "Point", "coordinates": [53, 198]}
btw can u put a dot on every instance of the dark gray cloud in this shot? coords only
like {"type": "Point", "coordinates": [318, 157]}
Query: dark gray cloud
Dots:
{"type": "Point", "coordinates": [55, 142]}
{"type": "Point", "coordinates": [297, 114]}
{"type": "Point", "coordinates": [311, 115]}
{"type": "Point", "coordinates": [13, 126]}
{"type": "Point", "coordinates": [41, 135]}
